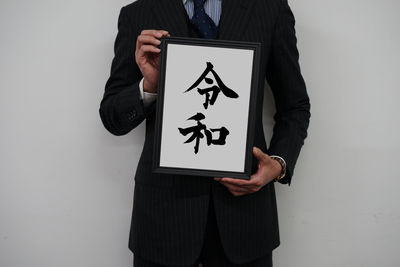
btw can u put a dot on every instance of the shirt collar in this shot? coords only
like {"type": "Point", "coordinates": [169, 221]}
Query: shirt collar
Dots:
{"type": "Point", "coordinates": [184, 1]}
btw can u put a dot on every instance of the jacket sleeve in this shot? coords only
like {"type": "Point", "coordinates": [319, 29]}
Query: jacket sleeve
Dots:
{"type": "Point", "coordinates": [289, 90]}
{"type": "Point", "coordinates": [121, 108]}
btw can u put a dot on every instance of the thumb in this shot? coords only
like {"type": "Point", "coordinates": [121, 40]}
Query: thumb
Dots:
{"type": "Point", "coordinates": [259, 154]}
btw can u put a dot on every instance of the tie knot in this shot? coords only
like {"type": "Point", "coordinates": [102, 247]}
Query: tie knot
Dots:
{"type": "Point", "coordinates": [198, 3]}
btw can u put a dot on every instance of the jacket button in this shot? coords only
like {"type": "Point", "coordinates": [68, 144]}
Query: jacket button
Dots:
{"type": "Point", "coordinates": [131, 115]}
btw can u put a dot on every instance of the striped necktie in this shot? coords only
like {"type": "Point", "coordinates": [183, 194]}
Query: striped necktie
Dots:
{"type": "Point", "coordinates": [202, 22]}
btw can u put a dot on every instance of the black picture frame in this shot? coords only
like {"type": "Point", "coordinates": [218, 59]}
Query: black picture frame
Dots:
{"type": "Point", "coordinates": [175, 47]}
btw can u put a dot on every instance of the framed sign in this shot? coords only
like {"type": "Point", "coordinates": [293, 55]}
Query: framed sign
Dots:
{"type": "Point", "coordinates": [207, 90]}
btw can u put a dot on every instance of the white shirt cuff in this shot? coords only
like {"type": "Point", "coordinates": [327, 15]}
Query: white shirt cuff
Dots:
{"type": "Point", "coordinates": [147, 97]}
{"type": "Point", "coordinates": [279, 157]}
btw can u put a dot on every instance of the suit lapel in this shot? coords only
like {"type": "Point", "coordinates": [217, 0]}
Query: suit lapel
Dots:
{"type": "Point", "coordinates": [234, 18]}
{"type": "Point", "coordinates": [171, 14]}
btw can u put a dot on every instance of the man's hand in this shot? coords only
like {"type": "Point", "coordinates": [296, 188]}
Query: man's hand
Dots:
{"type": "Point", "coordinates": [147, 57]}
{"type": "Point", "coordinates": [268, 169]}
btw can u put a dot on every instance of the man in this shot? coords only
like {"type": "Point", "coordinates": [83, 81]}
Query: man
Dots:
{"type": "Point", "coordinates": [181, 220]}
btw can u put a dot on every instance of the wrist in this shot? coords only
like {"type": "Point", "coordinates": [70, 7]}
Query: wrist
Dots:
{"type": "Point", "coordinates": [282, 167]}
{"type": "Point", "coordinates": [277, 168]}
{"type": "Point", "coordinates": [148, 87]}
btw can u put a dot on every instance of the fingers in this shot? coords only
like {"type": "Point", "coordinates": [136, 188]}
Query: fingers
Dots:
{"type": "Point", "coordinates": [235, 188]}
{"type": "Point", "coordinates": [149, 48]}
{"type": "Point", "coordinates": [238, 182]}
{"type": "Point", "coordinates": [257, 180]}
{"type": "Point", "coordinates": [157, 33]}
{"type": "Point", "coordinates": [150, 37]}
{"type": "Point", "coordinates": [148, 40]}
{"type": "Point", "coordinates": [240, 187]}
{"type": "Point", "coordinates": [236, 191]}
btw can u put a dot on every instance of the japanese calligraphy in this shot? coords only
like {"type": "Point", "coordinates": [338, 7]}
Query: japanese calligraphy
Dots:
{"type": "Point", "coordinates": [200, 128]}
{"type": "Point", "coordinates": [215, 89]}
{"type": "Point", "coordinates": [197, 132]}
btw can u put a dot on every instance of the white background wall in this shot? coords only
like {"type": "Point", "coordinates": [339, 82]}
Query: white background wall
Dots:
{"type": "Point", "coordinates": [66, 184]}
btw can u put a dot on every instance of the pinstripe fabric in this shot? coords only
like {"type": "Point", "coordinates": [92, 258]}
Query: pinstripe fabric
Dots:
{"type": "Point", "coordinates": [169, 211]}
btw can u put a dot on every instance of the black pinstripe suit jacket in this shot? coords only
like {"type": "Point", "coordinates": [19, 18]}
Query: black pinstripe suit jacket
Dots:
{"type": "Point", "coordinates": [169, 211]}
